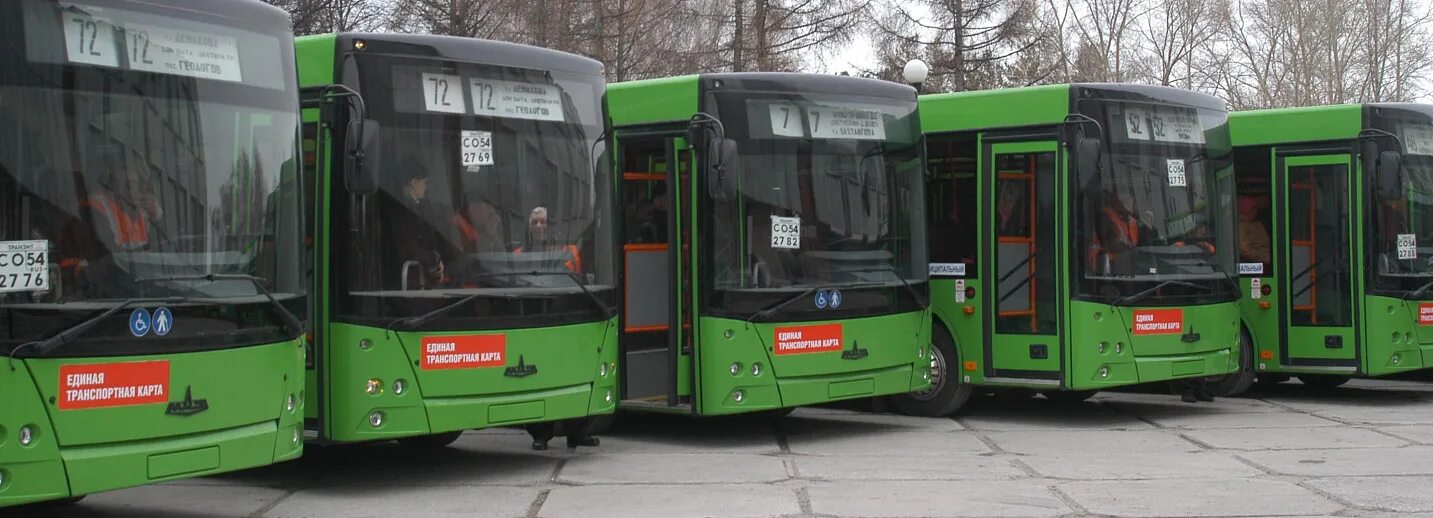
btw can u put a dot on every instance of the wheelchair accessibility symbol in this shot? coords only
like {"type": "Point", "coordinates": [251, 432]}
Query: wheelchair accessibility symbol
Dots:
{"type": "Point", "coordinates": [821, 299]}
{"type": "Point", "coordinates": [139, 322]}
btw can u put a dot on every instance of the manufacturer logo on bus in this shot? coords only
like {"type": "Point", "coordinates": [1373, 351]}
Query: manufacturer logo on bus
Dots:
{"type": "Point", "coordinates": [855, 352]}
{"type": "Point", "coordinates": [188, 406]}
{"type": "Point", "coordinates": [521, 370]}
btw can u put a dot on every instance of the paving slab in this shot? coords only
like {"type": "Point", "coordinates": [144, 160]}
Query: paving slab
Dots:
{"type": "Point", "coordinates": [943, 498]}
{"type": "Point", "coordinates": [382, 502]}
{"type": "Point", "coordinates": [1144, 404]}
{"type": "Point", "coordinates": [1416, 433]}
{"type": "Point", "coordinates": [908, 443]}
{"type": "Point", "coordinates": [1252, 439]}
{"type": "Point", "coordinates": [1078, 466]}
{"type": "Point", "coordinates": [1346, 463]}
{"type": "Point", "coordinates": [1197, 420]}
{"type": "Point", "coordinates": [804, 419]}
{"type": "Point", "coordinates": [1379, 416]}
{"type": "Point", "coordinates": [637, 444]}
{"type": "Point", "coordinates": [744, 500]}
{"type": "Point", "coordinates": [1092, 442]}
{"type": "Point", "coordinates": [443, 467]}
{"type": "Point", "coordinates": [163, 500]}
{"type": "Point", "coordinates": [954, 467]}
{"type": "Point", "coordinates": [1395, 494]}
{"type": "Point", "coordinates": [1199, 497]}
{"type": "Point", "coordinates": [1097, 419]}
{"type": "Point", "coordinates": [672, 469]}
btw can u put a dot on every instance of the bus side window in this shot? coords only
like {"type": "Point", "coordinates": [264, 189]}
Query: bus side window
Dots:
{"type": "Point", "coordinates": [952, 200]}
{"type": "Point", "coordinates": [1253, 173]}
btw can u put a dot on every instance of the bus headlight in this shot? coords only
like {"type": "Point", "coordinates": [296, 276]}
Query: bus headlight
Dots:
{"type": "Point", "coordinates": [376, 418]}
{"type": "Point", "coordinates": [399, 386]}
{"type": "Point", "coordinates": [608, 396]}
{"type": "Point", "coordinates": [1104, 372]}
{"type": "Point", "coordinates": [3, 478]}
{"type": "Point", "coordinates": [1397, 359]}
{"type": "Point", "coordinates": [735, 368]}
{"type": "Point", "coordinates": [290, 403]}
{"type": "Point", "coordinates": [365, 344]}
{"type": "Point", "coordinates": [296, 435]}
{"type": "Point", "coordinates": [756, 369]}
{"type": "Point", "coordinates": [1101, 348]}
{"type": "Point", "coordinates": [738, 396]}
{"type": "Point", "coordinates": [1119, 347]}
{"type": "Point", "coordinates": [602, 370]}
{"type": "Point", "coordinates": [374, 387]}
{"type": "Point", "coordinates": [27, 435]}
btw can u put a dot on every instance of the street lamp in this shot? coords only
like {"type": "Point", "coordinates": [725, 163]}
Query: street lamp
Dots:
{"type": "Point", "coordinates": [915, 73]}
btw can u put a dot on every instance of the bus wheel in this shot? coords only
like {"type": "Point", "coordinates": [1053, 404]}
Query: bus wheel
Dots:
{"type": "Point", "coordinates": [1069, 397]}
{"type": "Point", "coordinates": [600, 424]}
{"type": "Point", "coordinates": [1323, 380]}
{"type": "Point", "coordinates": [430, 442]}
{"type": "Point", "coordinates": [1237, 382]}
{"type": "Point", "coordinates": [947, 393]}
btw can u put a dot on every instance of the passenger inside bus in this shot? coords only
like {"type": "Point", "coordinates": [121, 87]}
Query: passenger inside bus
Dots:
{"type": "Point", "coordinates": [415, 255]}
{"type": "Point", "coordinates": [123, 208]}
{"type": "Point", "coordinates": [478, 225]}
{"type": "Point", "coordinates": [539, 239]}
{"type": "Point", "coordinates": [652, 216]}
{"type": "Point", "coordinates": [1254, 244]}
{"type": "Point", "coordinates": [1118, 231]}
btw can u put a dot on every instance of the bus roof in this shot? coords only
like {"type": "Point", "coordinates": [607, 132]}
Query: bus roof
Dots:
{"type": "Point", "coordinates": [1288, 125]}
{"type": "Point", "coordinates": [676, 99]}
{"type": "Point", "coordinates": [1038, 105]}
{"type": "Point", "coordinates": [472, 50]}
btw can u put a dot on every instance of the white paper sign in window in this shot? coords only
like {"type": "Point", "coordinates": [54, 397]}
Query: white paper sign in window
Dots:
{"type": "Point", "coordinates": [1179, 125]}
{"type": "Point", "coordinates": [1175, 169]}
{"type": "Point", "coordinates": [89, 40]}
{"type": "Point", "coordinates": [182, 53]}
{"type": "Point", "coordinates": [24, 266]}
{"type": "Point", "coordinates": [1137, 123]}
{"type": "Point", "coordinates": [786, 120]}
{"type": "Point", "coordinates": [846, 123]}
{"type": "Point", "coordinates": [443, 93]}
{"type": "Point", "coordinates": [785, 232]}
{"type": "Point", "coordinates": [495, 98]}
{"type": "Point", "coordinates": [477, 148]}
{"type": "Point", "coordinates": [1407, 246]}
{"type": "Point", "coordinates": [1418, 140]}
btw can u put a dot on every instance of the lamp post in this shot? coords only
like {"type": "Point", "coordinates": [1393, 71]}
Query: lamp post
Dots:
{"type": "Point", "coordinates": [915, 73]}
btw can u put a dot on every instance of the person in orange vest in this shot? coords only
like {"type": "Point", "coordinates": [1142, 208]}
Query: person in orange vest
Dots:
{"type": "Point", "coordinates": [1117, 231]}
{"type": "Point", "coordinates": [477, 225]}
{"type": "Point", "coordinates": [539, 240]}
{"type": "Point", "coordinates": [124, 210]}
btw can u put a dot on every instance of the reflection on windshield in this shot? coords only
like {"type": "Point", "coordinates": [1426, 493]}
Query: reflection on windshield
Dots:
{"type": "Point", "coordinates": [486, 183]}
{"type": "Point", "coordinates": [1160, 209]}
{"type": "Point", "coordinates": [830, 194]}
{"type": "Point", "coordinates": [1402, 218]}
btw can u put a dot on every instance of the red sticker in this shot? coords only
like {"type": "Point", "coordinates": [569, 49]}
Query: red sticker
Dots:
{"type": "Point", "coordinates": [464, 352]}
{"type": "Point", "coordinates": [808, 339]}
{"type": "Point", "coordinates": [1158, 321]}
{"type": "Point", "coordinates": [99, 385]}
{"type": "Point", "coordinates": [1425, 314]}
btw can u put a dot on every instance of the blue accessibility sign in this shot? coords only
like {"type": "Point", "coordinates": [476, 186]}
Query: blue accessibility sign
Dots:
{"type": "Point", "coordinates": [835, 299]}
{"type": "Point", "coordinates": [820, 299]}
{"type": "Point", "coordinates": [139, 322]}
{"type": "Point", "coordinates": [163, 321]}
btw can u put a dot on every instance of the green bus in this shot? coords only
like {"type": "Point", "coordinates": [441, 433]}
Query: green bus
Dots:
{"type": "Point", "coordinates": [462, 236]}
{"type": "Point", "coordinates": [1082, 238]}
{"type": "Point", "coordinates": [772, 240]}
{"type": "Point", "coordinates": [1335, 241]}
{"type": "Point", "coordinates": [149, 244]}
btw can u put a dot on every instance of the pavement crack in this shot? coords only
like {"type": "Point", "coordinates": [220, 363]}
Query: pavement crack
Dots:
{"type": "Point", "coordinates": [557, 470]}
{"type": "Point", "coordinates": [803, 499]}
{"type": "Point", "coordinates": [536, 507]}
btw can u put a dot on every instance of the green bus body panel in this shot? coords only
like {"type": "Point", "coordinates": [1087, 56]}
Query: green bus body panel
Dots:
{"type": "Point", "coordinates": [316, 57]}
{"type": "Point", "coordinates": [1387, 332]}
{"type": "Point", "coordinates": [889, 366]}
{"type": "Point", "coordinates": [989, 109]}
{"type": "Point", "coordinates": [1295, 125]}
{"type": "Point", "coordinates": [566, 384]}
{"type": "Point", "coordinates": [98, 449]}
{"type": "Point", "coordinates": [670, 99]}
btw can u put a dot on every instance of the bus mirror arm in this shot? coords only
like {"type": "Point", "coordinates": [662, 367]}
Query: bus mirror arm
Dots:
{"type": "Point", "coordinates": [362, 151]}
{"type": "Point", "coordinates": [1087, 149]}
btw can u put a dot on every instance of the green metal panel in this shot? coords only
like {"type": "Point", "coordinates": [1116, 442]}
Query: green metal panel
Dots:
{"type": "Point", "coordinates": [670, 99]}
{"type": "Point", "coordinates": [992, 109]}
{"type": "Point", "coordinates": [316, 57]}
{"type": "Point", "coordinates": [1294, 125]}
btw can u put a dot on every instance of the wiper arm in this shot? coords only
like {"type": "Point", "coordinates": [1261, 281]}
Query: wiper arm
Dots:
{"type": "Point", "coordinates": [418, 321]}
{"type": "Point", "coordinates": [415, 322]}
{"type": "Point", "coordinates": [1131, 299]}
{"type": "Point", "coordinates": [70, 333]}
{"type": "Point", "coordinates": [768, 311]}
{"type": "Point", "coordinates": [914, 294]}
{"type": "Point", "coordinates": [1418, 293]}
{"type": "Point", "coordinates": [290, 321]}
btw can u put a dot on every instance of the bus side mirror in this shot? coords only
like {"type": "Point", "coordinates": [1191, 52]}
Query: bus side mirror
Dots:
{"type": "Point", "coordinates": [1087, 158]}
{"type": "Point", "coordinates": [1390, 165]}
{"type": "Point", "coordinates": [721, 183]}
{"type": "Point", "coordinates": [362, 152]}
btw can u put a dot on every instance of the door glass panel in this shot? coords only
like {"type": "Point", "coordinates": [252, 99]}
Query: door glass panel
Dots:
{"type": "Point", "coordinates": [1025, 243]}
{"type": "Point", "coordinates": [1318, 245]}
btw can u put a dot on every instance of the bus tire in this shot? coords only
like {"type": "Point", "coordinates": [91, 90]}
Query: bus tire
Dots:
{"type": "Point", "coordinates": [1070, 397]}
{"type": "Point", "coordinates": [1324, 381]}
{"type": "Point", "coordinates": [1269, 378]}
{"type": "Point", "coordinates": [1237, 382]}
{"type": "Point", "coordinates": [430, 442]}
{"type": "Point", "coordinates": [947, 392]}
{"type": "Point", "coordinates": [600, 424]}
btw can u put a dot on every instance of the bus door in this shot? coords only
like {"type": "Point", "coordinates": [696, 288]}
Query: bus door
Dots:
{"type": "Point", "coordinates": [1316, 262]}
{"type": "Point", "coordinates": [1021, 308]}
{"type": "Point", "coordinates": [657, 310]}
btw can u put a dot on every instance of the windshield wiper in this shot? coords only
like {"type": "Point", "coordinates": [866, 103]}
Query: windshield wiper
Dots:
{"type": "Point", "coordinates": [914, 294]}
{"type": "Point", "coordinates": [1131, 299]}
{"type": "Point", "coordinates": [418, 321]}
{"type": "Point", "coordinates": [1418, 293]}
{"type": "Point", "coordinates": [290, 321]}
{"type": "Point", "coordinates": [68, 334]}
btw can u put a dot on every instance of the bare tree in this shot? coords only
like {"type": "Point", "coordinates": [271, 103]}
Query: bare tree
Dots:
{"type": "Point", "coordinates": [471, 18]}
{"type": "Point", "coordinates": [1176, 36]}
{"type": "Point", "coordinates": [320, 16]}
{"type": "Point", "coordinates": [968, 44]}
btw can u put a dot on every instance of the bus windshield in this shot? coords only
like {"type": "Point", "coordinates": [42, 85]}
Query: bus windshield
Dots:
{"type": "Point", "coordinates": [487, 188]}
{"type": "Point", "coordinates": [830, 195]}
{"type": "Point", "coordinates": [1402, 217]}
{"type": "Point", "coordinates": [145, 156]}
{"type": "Point", "coordinates": [1156, 218]}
